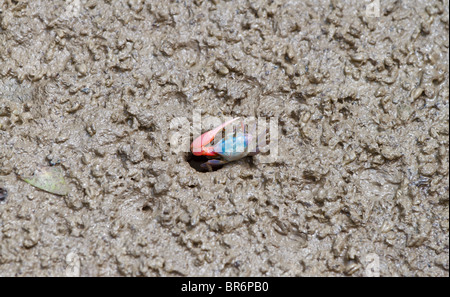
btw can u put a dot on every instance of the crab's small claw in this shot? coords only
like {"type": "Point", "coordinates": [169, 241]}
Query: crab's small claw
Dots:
{"type": "Point", "coordinates": [198, 145]}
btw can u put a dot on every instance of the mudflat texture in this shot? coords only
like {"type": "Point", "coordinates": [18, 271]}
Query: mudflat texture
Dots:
{"type": "Point", "coordinates": [360, 186]}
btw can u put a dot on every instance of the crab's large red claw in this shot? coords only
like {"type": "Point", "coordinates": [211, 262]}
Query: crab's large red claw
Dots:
{"type": "Point", "coordinates": [198, 145]}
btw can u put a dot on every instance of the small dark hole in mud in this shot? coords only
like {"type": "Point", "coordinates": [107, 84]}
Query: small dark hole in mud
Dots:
{"type": "Point", "coordinates": [197, 161]}
{"type": "Point", "coordinates": [146, 208]}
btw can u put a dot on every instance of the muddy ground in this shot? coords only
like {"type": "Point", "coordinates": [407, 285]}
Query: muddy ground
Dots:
{"type": "Point", "coordinates": [360, 185]}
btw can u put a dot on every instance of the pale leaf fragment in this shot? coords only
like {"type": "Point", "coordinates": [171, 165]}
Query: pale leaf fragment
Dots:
{"type": "Point", "coordinates": [49, 179]}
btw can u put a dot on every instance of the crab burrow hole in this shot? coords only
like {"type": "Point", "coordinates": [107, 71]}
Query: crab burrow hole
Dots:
{"type": "Point", "coordinates": [196, 162]}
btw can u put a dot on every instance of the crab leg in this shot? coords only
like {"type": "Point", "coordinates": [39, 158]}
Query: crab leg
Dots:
{"type": "Point", "coordinates": [261, 143]}
{"type": "Point", "coordinates": [198, 145]}
{"type": "Point", "coordinates": [213, 163]}
{"type": "Point", "coordinates": [257, 142]}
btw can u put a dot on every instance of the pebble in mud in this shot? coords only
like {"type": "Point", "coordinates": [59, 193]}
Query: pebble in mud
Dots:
{"type": "Point", "coordinates": [3, 194]}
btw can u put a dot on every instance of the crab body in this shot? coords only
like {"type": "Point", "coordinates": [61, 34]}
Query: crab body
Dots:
{"type": "Point", "coordinates": [232, 147]}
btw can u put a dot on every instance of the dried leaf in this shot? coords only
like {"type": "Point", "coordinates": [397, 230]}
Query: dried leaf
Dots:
{"type": "Point", "coordinates": [50, 179]}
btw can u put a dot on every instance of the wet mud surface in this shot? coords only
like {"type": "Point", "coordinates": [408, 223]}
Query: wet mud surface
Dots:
{"type": "Point", "coordinates": [360, 185]}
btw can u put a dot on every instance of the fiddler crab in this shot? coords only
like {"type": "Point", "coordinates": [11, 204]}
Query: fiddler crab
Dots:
{"type": "Point", "coordinates": [233, 146]}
